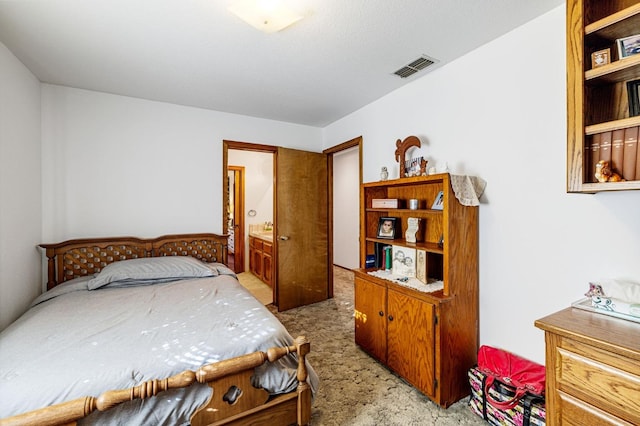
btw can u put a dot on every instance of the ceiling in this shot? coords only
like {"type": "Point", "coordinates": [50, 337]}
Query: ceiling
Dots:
{"type": "Point", "coordinates": [340, 57]}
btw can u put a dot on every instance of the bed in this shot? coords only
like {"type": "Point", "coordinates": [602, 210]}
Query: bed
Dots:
{"type": "Point", "coordinates": [150, 331]}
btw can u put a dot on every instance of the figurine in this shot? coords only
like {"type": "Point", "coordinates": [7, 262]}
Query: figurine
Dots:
{"type": "Point", "coordinates": [605, 174]}
{"type": "Point", "coordinates": [412, 229]}
{"type": "Point", "coordinates": [384, 174]}
{"type": "Point", "coordinates": [423, 167]}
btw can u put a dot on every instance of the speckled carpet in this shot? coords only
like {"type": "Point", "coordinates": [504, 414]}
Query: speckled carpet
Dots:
{"type": "Point", "coordinates": [354, 388]}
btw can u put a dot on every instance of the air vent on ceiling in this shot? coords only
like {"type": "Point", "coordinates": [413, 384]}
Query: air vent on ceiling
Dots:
{"type": "Point", "coordinates": [419, 64]}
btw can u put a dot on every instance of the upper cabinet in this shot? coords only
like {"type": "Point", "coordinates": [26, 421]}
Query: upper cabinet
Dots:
{"type": "Point", "coordinates": [602, 120]}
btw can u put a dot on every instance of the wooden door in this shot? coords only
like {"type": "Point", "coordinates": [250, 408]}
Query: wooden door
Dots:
{"type": "Point", "coordinates": [301, 228]}
{"type": "Point", "coordinates": [411, 340]}
{"type": "Point", "coordinates": [371, 318]}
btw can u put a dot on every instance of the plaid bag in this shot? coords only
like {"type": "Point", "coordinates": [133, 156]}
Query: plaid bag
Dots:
{"type": "Point", "coordinates": [530, 410]}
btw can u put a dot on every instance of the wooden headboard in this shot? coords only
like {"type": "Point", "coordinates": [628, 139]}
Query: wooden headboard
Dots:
{"type": "Point", "coordinates": [81, 257]}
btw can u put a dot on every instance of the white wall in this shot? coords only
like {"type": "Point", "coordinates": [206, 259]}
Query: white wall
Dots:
{"type": "Point", "coordinates": [258, 189]}
{"type": "Point", "coordinates": [499, 113]}
{"type": "Point", "coordinates": [115, 165]}
{"type": "Point", "coordinates": [20, 187]}
{"type": "Point", "coordinates": [346, 208]}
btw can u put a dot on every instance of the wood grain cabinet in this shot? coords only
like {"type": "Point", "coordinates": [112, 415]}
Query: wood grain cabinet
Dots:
{"type": "Point", "coordinates": [593, 369]}
{"type": "Point", "coordinates": [428, 338]}
{"type": "Point", "coordinates": [261, 259]}
{"type": "Point", "coordinates": [597, 98]}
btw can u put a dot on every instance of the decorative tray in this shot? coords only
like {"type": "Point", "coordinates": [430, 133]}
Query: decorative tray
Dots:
{"type": "Point", "coordinates": [585, 304]}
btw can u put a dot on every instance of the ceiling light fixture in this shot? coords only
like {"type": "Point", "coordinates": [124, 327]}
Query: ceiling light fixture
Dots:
{"type": "Point", "coordinates": [269, 16]}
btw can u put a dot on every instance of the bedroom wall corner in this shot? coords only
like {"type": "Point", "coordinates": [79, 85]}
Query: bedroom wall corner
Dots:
{"type": "Point", "coordinates": [20, 187]}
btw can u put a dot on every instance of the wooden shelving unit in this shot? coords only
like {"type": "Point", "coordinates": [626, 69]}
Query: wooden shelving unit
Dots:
{"type": "Point", "coordinates": [597, 99]}
{"type": "Point", "coordinates": [428, 338]}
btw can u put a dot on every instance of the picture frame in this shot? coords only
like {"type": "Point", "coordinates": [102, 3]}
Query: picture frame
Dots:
{"type": "Point", "coordinates": [387, 228]}
{"type": "Point", "coordinates": [600, 58]}
{"type": "Point", "coordinates": [404, 261]}
{"type": "Point", "coordinates": [421, 265]}
{"type": "Point", "coordinates": [438, 202]}
{"type": "Point", "coordinates": [628, 46]}
{"type": "Point", "coordinates": [633, 92]}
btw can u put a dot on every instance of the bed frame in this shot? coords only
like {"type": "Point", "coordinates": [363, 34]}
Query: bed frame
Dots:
{"type": "Point", "coordinates": [234, 401]}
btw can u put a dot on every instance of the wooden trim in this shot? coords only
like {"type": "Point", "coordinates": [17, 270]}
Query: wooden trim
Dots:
{"type": "Point", "coordinates": [329, 152]}
{"type": "Point", "coordinates": [247, 146]}
{"type": "Point", "coordinates": [344, 145]}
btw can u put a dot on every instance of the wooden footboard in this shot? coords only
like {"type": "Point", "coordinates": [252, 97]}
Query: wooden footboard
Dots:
{"type": "Point", "coordinates": [233, 401]}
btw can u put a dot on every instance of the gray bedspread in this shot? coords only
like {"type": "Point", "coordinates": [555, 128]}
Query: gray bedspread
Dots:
{"type": "Point", "coordinates": [83, 342]}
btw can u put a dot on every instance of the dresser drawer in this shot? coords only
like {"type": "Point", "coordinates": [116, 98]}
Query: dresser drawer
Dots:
{"type": "Point", "coordinates": [267, 247]}
{"type": "Point", "coordinates": [577, 413]}
{"type": "Point", "coordinates": [602, 379]}
{"type": "Point", "coordinates": [256, 243]}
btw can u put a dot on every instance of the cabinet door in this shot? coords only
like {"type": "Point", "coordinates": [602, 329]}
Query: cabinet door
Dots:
{"type": "Point", "coordinates": [257, 263]}
{"type": "Point", "coordinates": [370, 318]}
{"type": "Point", "coordinates": [266, 267]}
{"type": "Point", "coordinates": [252, 250]}
{"type": "Point", "coordinates": [410, 340]}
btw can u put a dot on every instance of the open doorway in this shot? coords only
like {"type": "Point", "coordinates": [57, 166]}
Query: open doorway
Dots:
{"type": "Point", "coordinates": [345, 178]}
{"type": "Point", "coordinates": [300, 257]}
{"type": "Point", "coordinates": [252, 172]}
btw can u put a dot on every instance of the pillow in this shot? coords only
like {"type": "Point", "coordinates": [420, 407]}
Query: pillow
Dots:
{"type": "Point", "coordinates": [167, 268]}
{"type": "Point", "coordinates": [69, 286]}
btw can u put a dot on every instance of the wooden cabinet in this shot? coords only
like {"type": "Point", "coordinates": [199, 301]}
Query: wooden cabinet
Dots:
{"type": "Point", "coordinates": [371, 322]}
{"type": "Point", "coordinates": [260, 259]}
{"type": "Point", "coordinates": [267, 262]}
{"type": "Point", "coordinates": [597, 98]}
{"type": "Point", "coordinates": [593, 369]}
{"type": "Point", "coordinates": [430, 338]}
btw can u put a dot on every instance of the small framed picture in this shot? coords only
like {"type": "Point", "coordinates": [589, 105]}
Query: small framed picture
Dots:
{"type": "Point", "coordinates": [438, 202]}
{"type": "Point", "coordinates": [633, 93]}
{"type": "Point", "coordinates": [628, 46]}
{"type": "Point", "coordinates": [421, 265]}
{"type": "Point", "coordinates": [387, 228]}
{"type": "Point", "coordinates": [404, 261]}
{"type": "Point", "coordinates": [600, 58]}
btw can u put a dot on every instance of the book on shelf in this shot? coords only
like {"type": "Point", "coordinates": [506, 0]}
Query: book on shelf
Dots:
{"type": "Point", "coordinates": [629, 171]}
{"type": "Point", "coordinates": [605, 146]}
{"type": "Point", "coordinates": [617, 150]}
{"type": "Point", "coordinates": [593, 156]}
{"type": "Point", "coordinates": [381, 255]}
{"type": "Point", "coordinates": [634, 97]}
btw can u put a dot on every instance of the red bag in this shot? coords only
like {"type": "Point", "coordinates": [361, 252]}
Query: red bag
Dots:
{"type": "Point", "coordinates": [505, 368]}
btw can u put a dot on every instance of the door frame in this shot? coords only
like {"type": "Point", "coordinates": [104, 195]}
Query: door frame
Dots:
{"type": "Point", "coordinates": [238, 216]}
{"type": "Point", "coordinates": [247, 146]}
{"type": "Point", "coordinates": [357, 141]}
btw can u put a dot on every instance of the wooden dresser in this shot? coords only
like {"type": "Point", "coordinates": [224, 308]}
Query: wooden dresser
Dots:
{"type": "Point", "coordinates": [593, 369]}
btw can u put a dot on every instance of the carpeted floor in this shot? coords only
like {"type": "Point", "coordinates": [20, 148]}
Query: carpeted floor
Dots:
{"type": "Point", "coordinates": [355, 389]}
